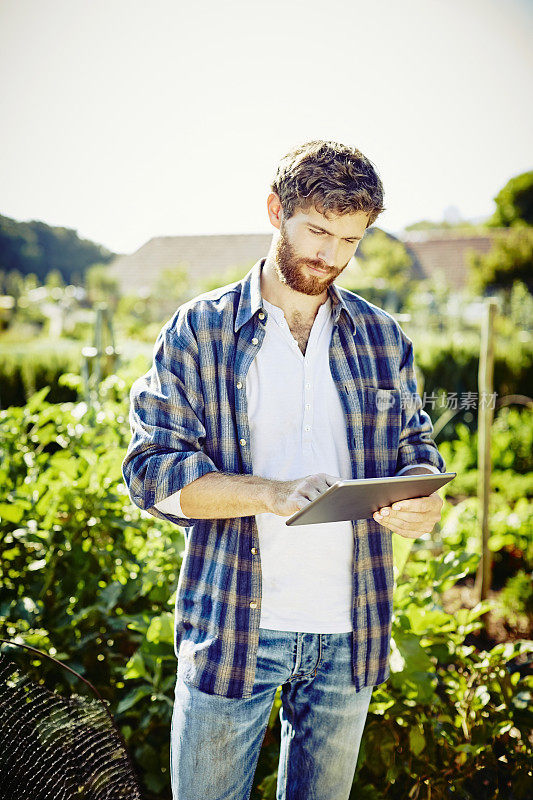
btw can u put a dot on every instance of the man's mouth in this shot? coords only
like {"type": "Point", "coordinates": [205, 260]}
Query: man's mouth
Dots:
{"type": "Point", "coordinates": [318, 270]}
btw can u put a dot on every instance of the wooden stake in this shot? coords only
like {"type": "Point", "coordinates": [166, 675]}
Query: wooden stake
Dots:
{"type": "Point", "coordinates": [485, 418]}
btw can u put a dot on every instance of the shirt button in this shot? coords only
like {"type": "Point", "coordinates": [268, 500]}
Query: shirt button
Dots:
{"type": "Point", "coordinates": [261, 315]}
{"type": "Point", "coordinates": [253, 551]}
{"type": "Point", "coordinates": [307, 428]}
{"type": "Point", "coordinates": [307, 385]}
{"type": "Point", "coordinates": [308, 405]}
{"type": "Point", "coordinates": [239, 385]}
{"type": "Point", "coordinates": [253, 605]}
{"type": "Point", "coordinates": [255, 340]}
{"type": "Point", "coordinates": [242, 441]}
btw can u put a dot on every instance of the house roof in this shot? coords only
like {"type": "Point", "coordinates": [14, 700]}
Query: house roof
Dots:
{"type": "Point", "coordinates": [203, 257]}
{"type": "Point", "coordinates": [434, 251]}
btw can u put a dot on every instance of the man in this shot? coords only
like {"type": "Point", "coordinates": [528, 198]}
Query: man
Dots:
{"type": "Point", "coordinates": [261, 395]}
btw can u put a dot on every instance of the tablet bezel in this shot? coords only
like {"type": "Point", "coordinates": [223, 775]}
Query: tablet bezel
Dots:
{"type": "Point", "coordinates": [399, 482]}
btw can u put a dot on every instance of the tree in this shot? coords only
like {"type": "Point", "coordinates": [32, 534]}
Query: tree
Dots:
{"type": "Point", "coordinates": [514, 203]}
{"type": "Point", "coordinates": [382, 264]}
{"type": "Point", "coordinates": [14, 285]}
{"type": "Point", "coordinates": [231, 275]}
{"type": "Point", "coordinates": [171, 289]}
{"type": "Point", "coordinates": [446, 225]}
{"type": "Point", "coordinates": [54, 280]}
{"type": "Point", "coordinates": [509, 260]}
{"type": "Point", "coordinates": [36, 247]}
{"type": "Point", "coordinates": [102, 287]}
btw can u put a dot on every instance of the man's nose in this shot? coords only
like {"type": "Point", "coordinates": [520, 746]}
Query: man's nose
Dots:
{"type": "Point", "coordinates": [328, 252]}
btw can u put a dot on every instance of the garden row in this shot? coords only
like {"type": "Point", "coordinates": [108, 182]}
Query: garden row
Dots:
{"type": "Point", "coordinates": [448, 365]}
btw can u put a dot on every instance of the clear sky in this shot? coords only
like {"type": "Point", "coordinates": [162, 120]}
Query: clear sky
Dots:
{"type": "Point", "coordinates": [128, 119]}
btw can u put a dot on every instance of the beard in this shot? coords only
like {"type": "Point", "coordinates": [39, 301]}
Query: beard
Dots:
{"type": "Point", "coordinates": [291, 269]}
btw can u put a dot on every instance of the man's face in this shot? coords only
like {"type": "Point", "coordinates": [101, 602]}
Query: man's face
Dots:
{"type": "Point", "coordinates": [312, 250]}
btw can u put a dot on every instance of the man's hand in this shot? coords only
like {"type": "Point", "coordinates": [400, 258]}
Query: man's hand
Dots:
{"type": "Point", "coordinates": [288, 497]}
{"type": "Point", "coordinates": [411, 518]}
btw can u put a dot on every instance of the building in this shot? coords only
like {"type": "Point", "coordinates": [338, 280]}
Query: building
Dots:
{"type": "Point", "coordinates": [205, 257]}
{"type": "Point", "coordinates": [445, 252]}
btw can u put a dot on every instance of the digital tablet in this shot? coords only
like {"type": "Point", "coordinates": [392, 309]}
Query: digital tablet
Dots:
{"type": "Point", "coordinates": [359, 499]}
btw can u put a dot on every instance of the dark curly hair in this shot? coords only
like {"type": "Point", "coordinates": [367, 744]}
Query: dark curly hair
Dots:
{"type": "Point", "coordinates": [330, 176]}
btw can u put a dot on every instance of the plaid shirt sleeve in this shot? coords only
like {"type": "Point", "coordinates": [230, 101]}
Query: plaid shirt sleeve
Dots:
{"type": "Point", "coordinates": [416, 445]}
{"type": "Point", "coordinates": [167, 422]}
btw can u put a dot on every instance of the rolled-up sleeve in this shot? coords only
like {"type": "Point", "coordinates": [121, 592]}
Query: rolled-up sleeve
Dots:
{"type": "Point", "coordinates": [416, 445]}
{"type": "Point", "coordinates": [167, 422]}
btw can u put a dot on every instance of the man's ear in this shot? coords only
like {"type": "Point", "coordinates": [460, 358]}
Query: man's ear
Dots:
{"type": "Point", "coordinates": [274, 209]}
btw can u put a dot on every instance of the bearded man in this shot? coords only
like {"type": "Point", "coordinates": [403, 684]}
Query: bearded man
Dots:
{"type": "Point", "coordinates": [262, 394]}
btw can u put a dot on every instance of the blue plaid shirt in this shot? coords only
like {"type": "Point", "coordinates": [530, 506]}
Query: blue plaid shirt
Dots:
{"type": "Point", "coordinates": [188, 417]}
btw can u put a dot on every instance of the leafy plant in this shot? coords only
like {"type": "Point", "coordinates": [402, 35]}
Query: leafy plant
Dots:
{"type": "Point", "coordinates": [516, 598]}
{"type": "Point", "coordinates": [450, 721]}
{"type": "Point", "coordinates": [90, 578]}
{"type": "Point", "coordinates": [86, 575]}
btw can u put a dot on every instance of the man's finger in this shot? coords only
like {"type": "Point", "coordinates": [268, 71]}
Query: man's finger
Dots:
{"type": "Point", "coordinates": [323, 481]}
{"type": "Point", "coordinates": [409, 517]}
{"type": "Point", "coordinates": [416, 504]}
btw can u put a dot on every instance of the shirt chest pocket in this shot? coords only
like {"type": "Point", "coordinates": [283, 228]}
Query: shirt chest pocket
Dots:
{"type": "Point", "coordinates": [381, 420]}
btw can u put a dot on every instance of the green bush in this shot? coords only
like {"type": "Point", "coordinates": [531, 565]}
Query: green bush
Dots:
{"type": "Point", "coordinates": [516, 599]}
{"type": "Point", "coordinates": [91, 579]}
{"type": "Point", "coordinates": [511, 443]}
{"type": "Point", "coordinates": [510, 531]}
{"type": "Point", "coordinates": [511, 456]}
{"type": "Point", "coordinates": [22, 373]}
{"type": "Point", "coordinates": [87, 576]}
{"type": "Point", "coordinates": [450, 721]}
{"type": "Point", "coordinates": [451, 364]}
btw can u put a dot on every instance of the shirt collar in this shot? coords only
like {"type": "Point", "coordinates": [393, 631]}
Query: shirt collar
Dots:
{"type": "Point", "coordinates": [339, 304]}
{"type": "Point", "coordinates": [251, 300]}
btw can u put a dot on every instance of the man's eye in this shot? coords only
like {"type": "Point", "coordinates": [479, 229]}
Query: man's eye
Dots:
{"type": "Point", "coordinates": [318, 233]}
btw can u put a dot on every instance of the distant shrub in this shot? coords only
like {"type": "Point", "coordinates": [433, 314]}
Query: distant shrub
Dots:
{"type": "Point", "coordinates": [452, 364]}
{"type": "Point", "coordinates": [23, 374]}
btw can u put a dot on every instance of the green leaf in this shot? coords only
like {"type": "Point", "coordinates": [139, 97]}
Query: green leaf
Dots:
{"type": "Point", "coordinates": [267, 787]}
{"type": "Point", "coordinates": [66, 464]}
{"type": "Point", "coordinates": [433, 619]}
{"type": "Point", "coordinates": [36, 400]}
{"type": "Point", "coordinates": [161, 628]}
{"type": "Point", "coordinates": [136, 668]}
{"type": "Point", "coordinates": [36, 565]}
{"type": "Point", "coordinates": [11, 512]}
{"type": "Point", "coordinates": [110, 595]}
{"type": "Point", "coordinates": [133, 697]}
{"type": "Point", "coordinates": [412, 652]}
{"type": "Point", "coordinates": [401, 547]}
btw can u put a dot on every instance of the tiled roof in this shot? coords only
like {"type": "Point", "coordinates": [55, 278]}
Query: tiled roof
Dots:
{"type": "Point", "coordinates": [444, 251]}
{"type": "Point", "coordinates": [205, 256]}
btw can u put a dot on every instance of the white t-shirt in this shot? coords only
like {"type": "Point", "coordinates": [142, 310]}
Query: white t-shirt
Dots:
{"type": "Point", "coordinates": [297, 428]}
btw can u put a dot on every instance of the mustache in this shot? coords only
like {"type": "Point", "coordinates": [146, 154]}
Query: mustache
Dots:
{"type": "Point", "coordinates": [327, 270]}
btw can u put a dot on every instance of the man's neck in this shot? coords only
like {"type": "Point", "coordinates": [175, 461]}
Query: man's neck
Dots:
{"type": "Point", "coordinates": [293, 304]}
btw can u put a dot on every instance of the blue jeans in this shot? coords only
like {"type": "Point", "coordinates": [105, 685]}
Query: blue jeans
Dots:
{"type": "Point", "coordinates": [215, 741]}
